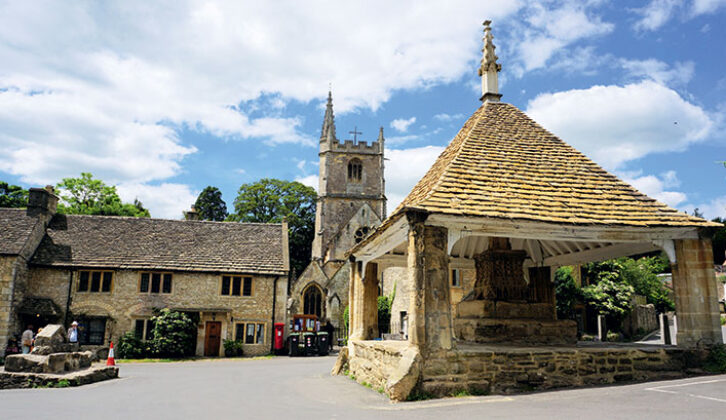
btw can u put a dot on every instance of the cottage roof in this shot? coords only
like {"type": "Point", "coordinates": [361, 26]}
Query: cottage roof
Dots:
{"type": "Point", "coordinates": [502, 164]}
{"type": "Point", "coordinates": [159, 244]}
{"type": "Point", "coordinates": [16, 228]}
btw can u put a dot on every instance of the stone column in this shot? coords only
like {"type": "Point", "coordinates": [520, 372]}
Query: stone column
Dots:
{"type": "Point", "coordinates": [694, 283]}
{"type": "Point", "coordinates": [353, 285]}
{"type": "Point", "coordinates": [428, 261]}
{"type": "Point", "coordinates": [370, 302]}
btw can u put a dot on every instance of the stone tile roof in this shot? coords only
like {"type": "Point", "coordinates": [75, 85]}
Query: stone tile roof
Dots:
{"type": "Point", "coordinates": [159, 244]}
{"type": "Point", "coordinates": [15, 229]}
{"type": "Point", "coordinates": [502, 164]}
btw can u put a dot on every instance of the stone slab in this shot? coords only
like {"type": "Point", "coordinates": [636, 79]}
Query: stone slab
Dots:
{"type": "Point", "coordinates": [516, 331]}
{"type": "Point", "coordinates": [487, 308]}
{"type": "Point", "coordinates": [11, 380]}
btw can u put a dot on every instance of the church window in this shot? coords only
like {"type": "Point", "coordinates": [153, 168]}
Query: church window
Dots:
{"type": "Point", "coordinates": [355, 170]}
{"type": "Point", "coordinates": [361, 233]}
{"type": "Point", "coordinates": [312, 301]}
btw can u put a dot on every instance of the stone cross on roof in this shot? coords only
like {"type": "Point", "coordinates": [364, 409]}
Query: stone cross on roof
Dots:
{"type": "Point", "coordinates": [489, 67]}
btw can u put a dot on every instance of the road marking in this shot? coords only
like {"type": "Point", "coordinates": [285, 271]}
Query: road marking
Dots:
{"type": "Point", "coordinates": [703, 397]}
{"type": "Point", "coordinates": [449, 402]}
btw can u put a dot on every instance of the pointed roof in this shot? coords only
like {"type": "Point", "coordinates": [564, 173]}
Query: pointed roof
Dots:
{"type": "Point", "coordinates": [502, 164]}
{"type": "Point", "coordinates": [328, 131]}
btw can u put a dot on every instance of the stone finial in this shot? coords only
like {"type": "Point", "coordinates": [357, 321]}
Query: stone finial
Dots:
{"type": "Point", "coordinates": [381, 140]}
{"type": "Point", "coordinates": [328, 131]}
{"type": "Point", "coordinates": [489, 67]}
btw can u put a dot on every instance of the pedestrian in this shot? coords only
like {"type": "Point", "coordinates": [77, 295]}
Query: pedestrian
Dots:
{"type": "Point", "coordinates": [26, 340]}
{"type": "Point", "coordinates": [330, 329]}
{"type": "Point", "coordinates": [73, 334]}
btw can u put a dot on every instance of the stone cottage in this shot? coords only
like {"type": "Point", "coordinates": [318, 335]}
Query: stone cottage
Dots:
{"type": "Point", "coordinates": [111, 273]}
{"type": "Point", "coordinates": [351, 203]}
{"type": "Point", "coordinates": [510, 202]}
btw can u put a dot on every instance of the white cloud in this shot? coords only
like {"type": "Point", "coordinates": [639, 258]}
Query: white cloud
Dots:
{"type": "Point", "coordinates": [655, 14]}
{"type": "Point", "coordinates": [404, 167]}
{"type": "Point", "coordinates": [402, 125]}
{"type": "Point", "coordinates": [617, 124]}
{"type": "Point", "coordinates": [710, 209]}
{"type": "Point", "coordinates": [309, 180]}
{"type": "Point", "coordinates": [658, 71]}
{"type": "Point", "coordinates": [706, 6]}
{"type": "Point", "coordinates": [165, 201]}
{"type": "Point", "coordinates": [444, 117]}
{"type": "Point", "coordinates": [655, 187]}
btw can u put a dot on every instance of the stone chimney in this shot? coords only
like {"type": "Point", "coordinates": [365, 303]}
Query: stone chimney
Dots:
{"type": "Point", "coordinates": [42, 202]}
{"type": "Point", "coordinates": [489, 68]}
{"type": "Point", "coordinates": [192, 214]}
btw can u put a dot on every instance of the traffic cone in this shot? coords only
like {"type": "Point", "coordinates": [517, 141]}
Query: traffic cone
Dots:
{"type": "Point", "coordinates": [110, 361]}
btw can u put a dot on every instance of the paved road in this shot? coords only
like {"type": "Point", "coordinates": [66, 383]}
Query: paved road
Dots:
{"type": "Point", "coordinates": [284, 388]}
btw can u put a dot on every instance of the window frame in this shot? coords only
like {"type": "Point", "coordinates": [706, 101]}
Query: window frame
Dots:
{"type": "Point", "coordinates": [355, 170]}
{"type": "Point", "coordinates": [146, 329]}
{"type": "Point", "coordinates": [257, 326]}
{"type": "Point", "coordinates": [458, 272]}
{"type": "Point", "coordinates": [232, 283]}
{"type": "Point", "coordinates": [149, 287]}
{"type": "Point", "coordinates": [89, 281]}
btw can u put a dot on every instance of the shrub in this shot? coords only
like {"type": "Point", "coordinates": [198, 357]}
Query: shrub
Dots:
{"type": "Point", "coordinates": [611, 298]}
{"type": "Point", "coordinates": [566, 293]}
{"type": "Point", "coordinates": [174, 334]}
{"type": "Point", "coordinates": [233, 348]}
{"type": "Point", "coordinates": [716, 360]}
{"type": "Point", "coordinates": [384, 314]}
{"type": "Point", "coordinates": [130, 346]}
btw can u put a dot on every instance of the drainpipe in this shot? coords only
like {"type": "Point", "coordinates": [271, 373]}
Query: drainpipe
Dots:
{"type": "Point", "coordinates": [68, 300]}
{"type": "Point", "coordinates": [272, 330]}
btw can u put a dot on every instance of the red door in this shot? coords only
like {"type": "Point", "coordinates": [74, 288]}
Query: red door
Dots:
{"type": "Point", "coordinates": [212, 338]}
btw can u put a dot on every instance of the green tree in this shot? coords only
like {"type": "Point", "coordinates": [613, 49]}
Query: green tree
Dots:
{"type": "Point", "coordinates": [210, 205]}
{"type": "Point", "coordinates": [12, 195]}
{"type": "Point", "coordinates": [566, 293]}
{"type": "Point", "coordinates": [174, 334]}
{"type": "Point", "coordinates": [86, 195]}
{"type": "Point", "coordinates": [642, 274]}
{"type": "Point", "coordinates": [270, 201]}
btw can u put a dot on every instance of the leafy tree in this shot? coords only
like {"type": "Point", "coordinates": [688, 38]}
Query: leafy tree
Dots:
{"type": "Point", "coordinates": [174, 334]}
{"type": "Point", "coordinates": [86, 195]}
{"type": "Point", "coordinates": [210, 205]}
{"type": "Point", "coordinates": [270, 201]}
{"type": "Point", "coordinates": [610, 297]}
{"type": "Point", "coordinates": [12, 195]}
{"type": "Point", "coordinates": [642, 274]}
{"type": "Point", "coordinates": [566, 293]}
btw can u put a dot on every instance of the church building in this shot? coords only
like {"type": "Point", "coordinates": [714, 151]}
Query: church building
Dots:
{"type": "Point", "coordinates": [351, 203]}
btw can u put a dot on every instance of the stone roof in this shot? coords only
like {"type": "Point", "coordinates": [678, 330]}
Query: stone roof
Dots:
{"type": "Point", "coordinates": [159, 244]}
{"type": "Point", "coordinates": [502, 164]}
{"type": "Point", "coordinates": [15, 229]}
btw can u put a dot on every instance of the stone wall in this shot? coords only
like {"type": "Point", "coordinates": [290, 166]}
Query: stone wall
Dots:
{"type": "Point", "coordinates": [198, 292]}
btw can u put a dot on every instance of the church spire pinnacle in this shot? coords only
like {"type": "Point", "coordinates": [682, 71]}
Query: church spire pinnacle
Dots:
{"type": "Point", "coordinates": [489, 67]}
{"type": "Point", "coordinates": [328, 132]}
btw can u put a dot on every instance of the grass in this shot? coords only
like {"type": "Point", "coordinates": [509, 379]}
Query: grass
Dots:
{"type": "Point", "coordinates": [192, 359]}
{"type": "Point", "coordinates": [63, 383]}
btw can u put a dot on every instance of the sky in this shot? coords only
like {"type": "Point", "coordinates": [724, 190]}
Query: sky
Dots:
{"type": "Point", "coordinates": [165, 98]}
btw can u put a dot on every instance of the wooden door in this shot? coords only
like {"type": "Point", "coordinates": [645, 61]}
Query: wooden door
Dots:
{"type": "Point", "coordinates": [212, 338]}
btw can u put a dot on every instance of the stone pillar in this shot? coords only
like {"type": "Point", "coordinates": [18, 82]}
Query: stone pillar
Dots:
{"type": "Point", "coordinates": [353, 286]}
{"type": "Point", "coordinates": [694, 284]}
{"type": "Point", "coordinates": [429, 316]}
{"type": "Point", "coordinates": [369, 308]}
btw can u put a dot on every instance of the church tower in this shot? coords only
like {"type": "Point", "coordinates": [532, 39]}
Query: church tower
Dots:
{"type": "Point", "coordinates": [351, 193]}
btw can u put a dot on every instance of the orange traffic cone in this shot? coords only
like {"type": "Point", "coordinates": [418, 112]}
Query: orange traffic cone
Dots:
{"type": "Point", "coordinates": [110, 361]}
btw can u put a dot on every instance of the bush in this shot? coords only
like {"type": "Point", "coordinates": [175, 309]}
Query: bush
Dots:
{"type": "Point", "coordinates": [233, 348]}
{"type": "Point", "coordinates": [716, 360]}
{"type": "Point", "coordinates": [384, 314]}
{"type": "Point", "coordinates": [610, 298]}
{"type": "Point", "coordinates": [174, 334]}
{"type": "Point", "coordinates": [130, 346]}
{"type": "Point", "coordinates": [566, 293]}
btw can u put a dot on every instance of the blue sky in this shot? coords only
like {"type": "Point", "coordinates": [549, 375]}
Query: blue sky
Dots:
{"type": "Point", "coordinates": [165, 99]}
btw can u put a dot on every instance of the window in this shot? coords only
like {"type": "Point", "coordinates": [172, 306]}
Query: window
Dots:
{"type": "Point", "coordinates": [250, 332]}
{"type": "Point", "coordinates": [95, 281]}
{"type": "Point", "coordinates": [91, 330]}
{"type": "Point", "coordinates": [236, 286]}
{"type": "Point", "coordinates": [144, 329]}
{"type": "Point", "coordinates": [455, 277]}
{"type": "Point", "coordinates": [355, 170]}
{"type": "Point", "coordinates": [155, 283]}
{"type": "Point", "coordinates": [312, 301]}
{"type": "Point", "coordinates": [361, 233]}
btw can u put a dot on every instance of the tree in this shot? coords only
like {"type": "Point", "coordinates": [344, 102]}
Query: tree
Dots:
{"type": "Point", "coordinates": [610, 298]}
{"type": "Point", "coordinates": [566, 293]}
{"type": "Point", "coordinates": [642, 274]}
{"type": "Point", "coordinates": [272, 200]}
{"type": "Point", "coordinates": [210, 205]}
{"type": "Point", "coordinates": [174, 334]}
{"type": "Point", "coordinates": [12, 195]}
{"type": "Point", "coordinates": [86, 195]}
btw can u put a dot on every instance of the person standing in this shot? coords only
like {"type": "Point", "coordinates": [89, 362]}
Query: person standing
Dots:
{"type": "Point", "coordinates": [26, 340]}
{"type": "Point", "coordinates": [330, 329]}
{"type": "Point", "coordinates": [73, 334]}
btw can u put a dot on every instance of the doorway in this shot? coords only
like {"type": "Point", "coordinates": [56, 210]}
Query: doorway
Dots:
{"type": "Point", "coordinates": [212, 338]}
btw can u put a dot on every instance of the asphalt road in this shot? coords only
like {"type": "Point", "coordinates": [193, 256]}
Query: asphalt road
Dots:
{"type": "Point", "coordinates": [301, 388]}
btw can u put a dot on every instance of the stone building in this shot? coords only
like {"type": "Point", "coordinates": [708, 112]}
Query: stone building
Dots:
{"type": "Point", "coordinates": [351, 203]}
{"type": "Point", "coordinates": [111, 274]}
{"type": "Point", "coordinates": [510, 202]}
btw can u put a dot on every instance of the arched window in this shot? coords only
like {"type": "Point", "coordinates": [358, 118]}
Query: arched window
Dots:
{"type": "Point", "coordinates": [355, 170]}
{"type": "Point", "coordinates": [312, 301]}
{"type": "Point", "coordinates": [361, 233]}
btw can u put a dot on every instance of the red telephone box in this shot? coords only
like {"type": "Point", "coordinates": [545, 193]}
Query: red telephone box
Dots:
{"type": "Point", "coordinates": [279, 339]}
